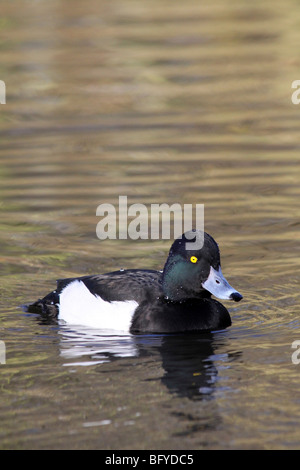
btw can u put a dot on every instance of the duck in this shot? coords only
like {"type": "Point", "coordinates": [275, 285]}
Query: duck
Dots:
{"type": "Point", "coordinates": [177, 299]}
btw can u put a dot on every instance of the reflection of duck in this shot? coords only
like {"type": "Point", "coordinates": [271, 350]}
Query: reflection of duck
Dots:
{"type": "Point", "coordinates": [177, 299]}
{"type": "Point", "coordinates": [191, 363]}
{"type": "Point", "coordinates": [86, 346]}
{"type": "Point", "coordinates": [189, 367]}
{"type": "Point", "coordinates": [188, 361]}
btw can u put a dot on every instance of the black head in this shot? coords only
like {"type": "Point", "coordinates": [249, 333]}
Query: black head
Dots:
{"type": "Point", "coordinates": [193, 269]}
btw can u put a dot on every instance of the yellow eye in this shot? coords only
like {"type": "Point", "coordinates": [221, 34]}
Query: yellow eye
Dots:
{"type": "Point", "coordinates": [193, 259]}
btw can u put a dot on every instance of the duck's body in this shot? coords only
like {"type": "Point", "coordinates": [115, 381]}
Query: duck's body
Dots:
{"type": "Point", "coordinates": [176, 299]}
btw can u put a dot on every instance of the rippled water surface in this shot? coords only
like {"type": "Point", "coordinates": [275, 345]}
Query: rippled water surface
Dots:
{"type": "Point", "coordinates": [163, 102]}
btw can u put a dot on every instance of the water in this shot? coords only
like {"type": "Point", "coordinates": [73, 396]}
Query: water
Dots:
{"type": "Point", "coordinates": [162, 102]}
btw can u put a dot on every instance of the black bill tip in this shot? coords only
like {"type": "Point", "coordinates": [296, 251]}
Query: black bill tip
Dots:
{"type": "Point", "coordinates": [236, 296]}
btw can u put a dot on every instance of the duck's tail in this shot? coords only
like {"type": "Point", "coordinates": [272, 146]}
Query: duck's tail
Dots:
{"type": "Point", "coordinates": [48, 306]}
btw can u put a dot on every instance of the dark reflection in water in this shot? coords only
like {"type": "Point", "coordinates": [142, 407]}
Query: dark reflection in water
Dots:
{"type": "Point", "coordinates": [188, 360]}
{"type": "Point", "coordinates": [189, 365]}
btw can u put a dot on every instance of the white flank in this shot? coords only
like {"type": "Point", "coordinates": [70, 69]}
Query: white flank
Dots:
{"type": "Point", "coordinates": [79, 306]}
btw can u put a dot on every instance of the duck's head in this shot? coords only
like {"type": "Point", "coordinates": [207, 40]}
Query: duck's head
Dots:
{"type": "Point", "coordinates": [195, 273]}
